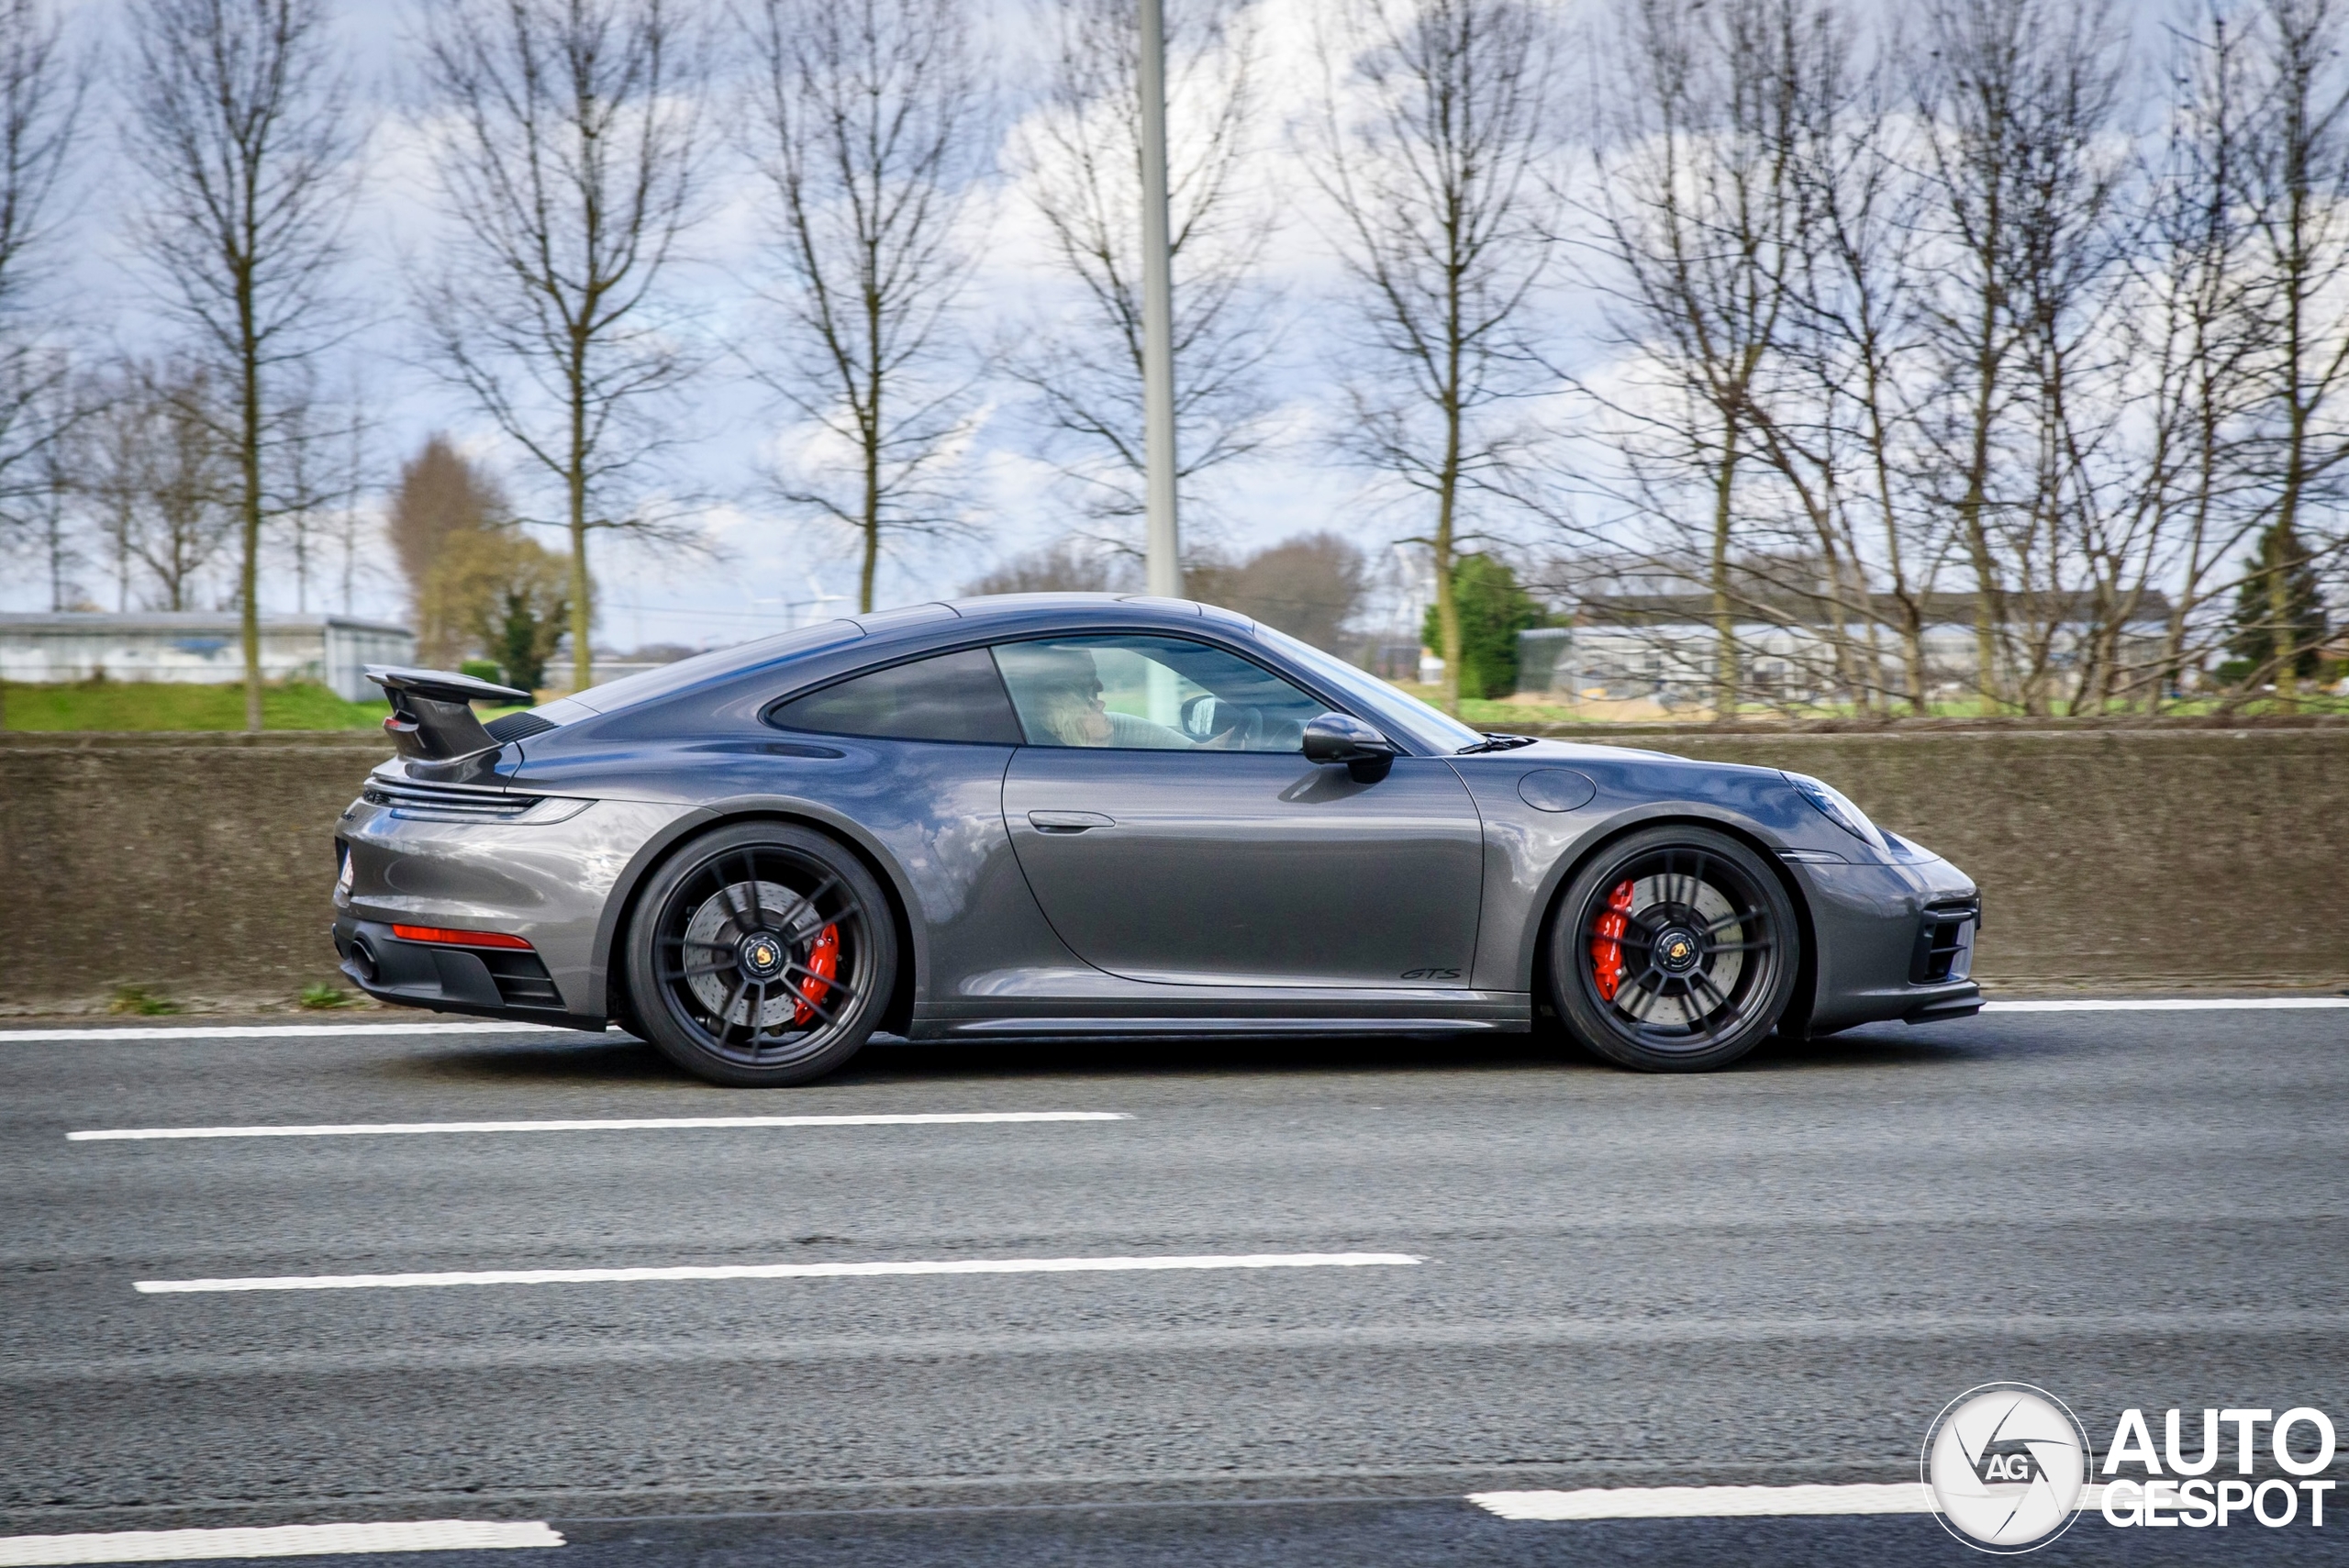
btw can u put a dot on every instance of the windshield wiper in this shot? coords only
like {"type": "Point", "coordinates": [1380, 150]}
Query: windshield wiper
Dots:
{"type": "Point", "coordinates": [1498, 743]}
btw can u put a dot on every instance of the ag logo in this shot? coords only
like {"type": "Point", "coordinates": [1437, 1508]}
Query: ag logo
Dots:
{"type": "Point", "coordinates": [2008, 1459]}
{"type": "Point", "coordinates": [1431, 974]}
{"type": "Point", "coordinates": [2006, 1463]}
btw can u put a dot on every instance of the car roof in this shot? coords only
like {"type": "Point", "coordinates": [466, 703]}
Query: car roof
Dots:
{"type": "Point", "coordinates": [998, 613]}
{"type": "Point", "coordinates": [880, 634]}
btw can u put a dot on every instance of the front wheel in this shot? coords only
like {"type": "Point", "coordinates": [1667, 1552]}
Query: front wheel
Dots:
{"type": "Point", "coordinates": [1674, 951]}
{"type": "Point", "coordinates": [761, 955]}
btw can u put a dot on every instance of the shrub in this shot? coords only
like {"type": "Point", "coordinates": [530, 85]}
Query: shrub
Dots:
{"type": "Point", "coordinates": [143, 1000]}
{"type": "Point", "coordinates": [1493, 610]}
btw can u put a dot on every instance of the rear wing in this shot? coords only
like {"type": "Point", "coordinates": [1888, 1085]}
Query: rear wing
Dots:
{"type": "Point", "coordinates": [432, 717]}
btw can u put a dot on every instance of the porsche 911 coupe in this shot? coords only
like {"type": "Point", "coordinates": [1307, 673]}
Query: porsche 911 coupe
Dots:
{"type": "Point", "coordinates": [1102, 816]}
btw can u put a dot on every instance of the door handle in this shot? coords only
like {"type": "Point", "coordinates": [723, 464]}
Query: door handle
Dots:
{"type": "Point", "coordinates": [1068, 821]}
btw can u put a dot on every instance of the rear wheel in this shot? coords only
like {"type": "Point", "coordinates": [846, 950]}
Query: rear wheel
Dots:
{"type": "Point", "coordinates": [761, 955]}
{"type": "Point", "coordinates": [1673, 952]}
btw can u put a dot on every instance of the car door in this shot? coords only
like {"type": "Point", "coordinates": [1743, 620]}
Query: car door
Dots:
{"type": "Point", "coordinates": [1172, 831]}
{"type": "Point", "coordinates": [914, 753]}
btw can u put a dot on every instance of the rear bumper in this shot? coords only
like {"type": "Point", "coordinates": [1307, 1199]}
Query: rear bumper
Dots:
{"type": "Point", "coordinates": [550, 883]}
{"type": "Point", "coordinates": [484, 983]}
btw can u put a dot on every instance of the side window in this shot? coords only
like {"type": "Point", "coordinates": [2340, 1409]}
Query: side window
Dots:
{"type": "Point", "coordinates": [1154, 693]}
{"type": "Point", "coordinates": [955, 696]}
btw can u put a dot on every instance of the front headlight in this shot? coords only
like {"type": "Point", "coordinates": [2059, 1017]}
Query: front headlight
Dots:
{"type": "Point", "coordinates": [1833, 805]}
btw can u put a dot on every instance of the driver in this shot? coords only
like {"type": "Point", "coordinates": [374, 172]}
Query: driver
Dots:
{"type": "Point", "coordinates": [1066, 691]}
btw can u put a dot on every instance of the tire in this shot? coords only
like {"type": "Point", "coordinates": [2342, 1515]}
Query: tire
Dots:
{"type": "Point", "coordinates": [1620, 977]}
{"type": "Point", "coordinates": [761, 955]}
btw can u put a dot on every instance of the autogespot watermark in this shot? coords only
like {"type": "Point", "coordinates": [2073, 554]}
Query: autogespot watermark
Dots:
{"type": "Point", "coordinates": [2008, 1464]}
{"type": "Point", "coordinates": [2166, 1491]}
{"type": "Point", "coordinates": [2010, 1467]}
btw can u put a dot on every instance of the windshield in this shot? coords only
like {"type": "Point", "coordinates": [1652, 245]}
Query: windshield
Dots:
{"type": "Point", "coordinates": [1400, 715]}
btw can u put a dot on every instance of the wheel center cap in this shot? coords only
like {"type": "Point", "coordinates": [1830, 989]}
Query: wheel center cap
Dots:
{"type": "Point", "coordinates": [1677, 950]}
{"type": "Point", "coordinates": [761, 955]}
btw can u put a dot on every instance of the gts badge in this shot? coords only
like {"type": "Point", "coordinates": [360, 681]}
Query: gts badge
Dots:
{"type": "Point", "coordinates": [1431, 974]}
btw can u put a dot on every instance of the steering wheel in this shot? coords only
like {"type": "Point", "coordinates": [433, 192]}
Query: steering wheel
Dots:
{"type": "Point", "coordinates": [1244, 732]}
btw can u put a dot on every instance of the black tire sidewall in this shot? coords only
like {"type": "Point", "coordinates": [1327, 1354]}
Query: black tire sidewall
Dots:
{"type": "Point", "coordinates": [648, 998]}
{"type": "Point", "coordinates": [1580, 1012]}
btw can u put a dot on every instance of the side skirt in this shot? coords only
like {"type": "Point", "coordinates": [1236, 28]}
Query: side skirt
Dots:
{"type": "Point", "coordinates": [1170, 1028]}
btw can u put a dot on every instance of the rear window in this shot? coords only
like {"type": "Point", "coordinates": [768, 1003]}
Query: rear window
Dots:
{"type": "Point", "coordinates": [952, 696]}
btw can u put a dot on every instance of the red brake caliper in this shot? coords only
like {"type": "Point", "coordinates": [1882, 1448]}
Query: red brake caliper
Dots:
{"type": "Point", "coordinates": [824, 960]}
{"type": "Point", "coordinates": [1607, 948]}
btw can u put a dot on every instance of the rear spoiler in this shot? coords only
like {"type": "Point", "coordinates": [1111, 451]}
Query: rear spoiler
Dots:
{"type": "Point", "coordinates": [432, 717]}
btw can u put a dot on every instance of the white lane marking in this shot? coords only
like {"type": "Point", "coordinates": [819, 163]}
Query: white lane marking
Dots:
{"type": "Point", "coordinates": [1706, 1502]}
{"type": "Point", "coordinates": [786, 1271]}
{"type": "Point", "coordinates": [2150, 1004]}
{"type": "Point", "coordinates": [276, 1032]}
{"type": "Point", "coordinates": [377, 1128]}
{"type": "Point", "coordinates": [279, 1540]}
{"type": "Point", "coordinates": [1720, 1502]}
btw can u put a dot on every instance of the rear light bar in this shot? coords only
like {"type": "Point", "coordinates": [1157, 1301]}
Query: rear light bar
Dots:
{"type": "Point", "coordinates": [448, 937]}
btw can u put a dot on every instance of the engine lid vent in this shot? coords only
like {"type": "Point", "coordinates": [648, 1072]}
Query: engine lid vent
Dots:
{"type": "Point", "coordinates": [519, 727]}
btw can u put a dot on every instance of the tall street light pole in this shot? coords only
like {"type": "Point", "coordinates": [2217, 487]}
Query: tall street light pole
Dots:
{"type": "Point", "coordinates": [1163, 554]}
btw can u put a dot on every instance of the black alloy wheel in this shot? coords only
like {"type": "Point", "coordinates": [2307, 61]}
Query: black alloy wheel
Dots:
{"type": "Point", "coordinates": [761, 955]}
{"type": "Point", "coordinates": [1674, 951]}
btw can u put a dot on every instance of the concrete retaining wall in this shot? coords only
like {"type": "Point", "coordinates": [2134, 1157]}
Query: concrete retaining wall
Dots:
{"type": "Point", "coordinates": [2149, 860]}
{"type": "Point", "coordinates": [200, 864]}
{"type": "Point", "coordinates": [2171, 860]}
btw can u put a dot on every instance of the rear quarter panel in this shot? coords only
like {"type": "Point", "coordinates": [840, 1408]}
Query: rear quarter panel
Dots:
{"type": "Point", "coordinates": [928, 816]}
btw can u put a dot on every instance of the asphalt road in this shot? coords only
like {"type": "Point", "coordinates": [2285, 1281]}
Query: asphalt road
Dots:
{"type": "Point", "coordinates": [1773, 1275]}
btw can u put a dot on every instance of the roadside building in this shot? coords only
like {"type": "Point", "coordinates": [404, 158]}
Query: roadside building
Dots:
{"type": "Point", "coordinates": [1801, 650]}
{"type": "Point", "coordinates": [205, 648]}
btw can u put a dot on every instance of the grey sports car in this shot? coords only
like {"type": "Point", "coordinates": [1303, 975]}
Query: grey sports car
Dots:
{"type": "Point", "coordinates": [1083, 815]}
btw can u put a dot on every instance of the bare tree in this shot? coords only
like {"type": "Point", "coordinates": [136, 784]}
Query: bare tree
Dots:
{"type": "Point", "coordinates": [570, 170]}
{"type": "Point", "coordinates": [2299, 174]}
{"type": "Point", "coordinates": [42, 402]}
{"type": "Point", "coordinates": [1852, 343]}
{"type": "Point", "coordinates": [1081, 161]}
{"type": "Point", "coordinates": [41, 94]}
{"type": "Point", "coordinates": [1072, 565]}
{"type": "Point", "coordinates": [349, 521]}
{"type": "Point", "coordinates": [1434, 121]}
{"type": "Point", "coordinates": [40, 99]}
{"type": "Point", "coordinates": [246, 138]}
{"type": "Point", "coordinates": [1705, 221]}
{"type": "Point", "coordinates": [160, 478]}
{"type": "Point", "coordinates": [50, 520]}
{"type": "Point", "coordinates": [316, 480]}
{"type": "Point", "coordinates": [871, 133]}
{"type": "Point", "coordinates": [2021, 99]}
{"type": "Point", "coordinates": [2185, 344]}
{"type": "Point", "coordinates": [1310, 587]}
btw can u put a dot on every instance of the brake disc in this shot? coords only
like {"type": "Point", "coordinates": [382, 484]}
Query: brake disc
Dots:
{"type": "Point", "coordinates": [721, 922]}
{"type": "Point", "coordinates": [1654, 905]}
